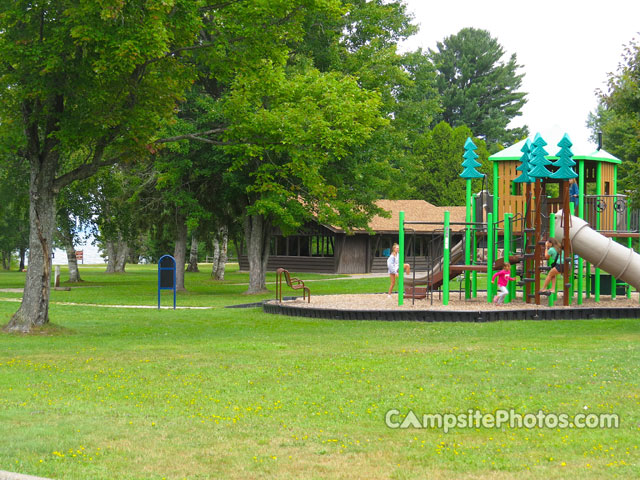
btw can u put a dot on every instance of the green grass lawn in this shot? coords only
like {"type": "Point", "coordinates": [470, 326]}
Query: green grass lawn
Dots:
{"type": "Point", "coordinates": [235, 393]}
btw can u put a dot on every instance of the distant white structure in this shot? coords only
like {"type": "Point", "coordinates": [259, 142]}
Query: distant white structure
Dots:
{"type": "Point", "coordinates": [91, 254]}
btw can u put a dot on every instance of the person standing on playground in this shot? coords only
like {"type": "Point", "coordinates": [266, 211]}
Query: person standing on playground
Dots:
{"type": "Point", "coordinates": [574, 194]}
{"type": "Point", "coordinates": [393, 266]}
{"type": "Point", "coordinates": [552, 252]}
{"type": "Point", "coordinates": [503, 280]}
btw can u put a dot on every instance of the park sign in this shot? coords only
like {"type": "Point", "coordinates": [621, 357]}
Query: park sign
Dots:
{"type": "Point", "coordinates": [167, 276]}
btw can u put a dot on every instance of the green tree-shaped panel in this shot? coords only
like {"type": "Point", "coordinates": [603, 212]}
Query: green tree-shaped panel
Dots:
{"type": "Point", "coordinates": [538, 161]}
{"type": "Point", "coordinates": [525, 165]}
{"type": "Point", "coordinates": [470, 162]}
{"type": "Point", "coordinates": [565, 162]}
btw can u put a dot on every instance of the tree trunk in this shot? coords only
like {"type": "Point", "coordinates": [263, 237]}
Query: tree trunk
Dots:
{"type": "Point", "coordinates": [6, 260]}
{"type": "Point", "coordinates": [220, 248]}
{"type": "Point", "coordinates": [121, 256]}
{"type": "Point", "coordinates": [216, 256]}
{"type": "Point", "coordinates": [111, 256]}
{"type": "Point", "coordinates": [23, 252]}
{"type": "Point", "coordinates": [193, 255]}
{"type": "Point", "coordinates": [34, 310]}
{"type": "Point", "coordinates": [257, 231]}
{"type": "Point", "coordinates": [117, 253]}
{"type": "Point", "coordinates": [72, 261]}
{"type": "Point", "coordinates": [180, 252]}
{"type": "Point", "coordinates": [133, 257]}
{"type": "Point", "coordinates": [67, 240]}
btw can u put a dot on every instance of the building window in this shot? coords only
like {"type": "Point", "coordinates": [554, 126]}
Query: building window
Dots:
{"type": "Point", "coordinates": [303, 246]}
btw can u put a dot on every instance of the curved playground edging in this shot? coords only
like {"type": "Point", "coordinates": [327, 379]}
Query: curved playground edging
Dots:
{"type": "Point", "coordinates": [452, 315]}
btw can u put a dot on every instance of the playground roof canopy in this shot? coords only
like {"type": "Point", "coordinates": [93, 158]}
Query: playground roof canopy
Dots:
{"type": "Point", "coordinates": [581, 150]}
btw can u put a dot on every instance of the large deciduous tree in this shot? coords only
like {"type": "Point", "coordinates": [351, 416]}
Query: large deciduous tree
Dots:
{"type": "Point", "coordinates": [479, 88]}
{"type": "Point", "coordinates": [618, 118]}
{"type": "Point", "coordinates": [99, 77]}
{"type": "Point", "coordinates": [436, 176]}
{"type": "Point", "coordinates": [364, 43]}
{"type": "Point", "coordinates": [302, 125]}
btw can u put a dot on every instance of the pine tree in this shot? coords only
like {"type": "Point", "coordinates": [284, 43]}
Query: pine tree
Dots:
{"type": "Point", "coordinates": [480, 86]}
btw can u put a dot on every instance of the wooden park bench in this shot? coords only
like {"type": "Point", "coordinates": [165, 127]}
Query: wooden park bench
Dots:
{"type": "Point", "coordinates": [294, 283]}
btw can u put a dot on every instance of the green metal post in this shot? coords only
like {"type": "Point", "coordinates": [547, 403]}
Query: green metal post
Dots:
{"type": "Point", "coordinates": [615, 224]}
{"type": "Point", "coordinates": [401, 261]}
{"type": "Point", "coordinates": [445, 263]}
{"type": "Point", "coordinates": [552, 233]}
{"type": "Point", "coordinates": [581, 186]}
{"type": "Point", "coordinates": [467, 243]}
{"type": "Point", "coordinates": [489, 257]}
{"type": "Point", "coordinates": [474, 254]}
{"type": "Point", "coordinates": [629, 244]}
{"type": "Point", "coordinates": [573, 286]}
{"type": "Point", "coordinates": [496, 197]}
{"type": "Point", "coordinates": [599, 192]}
{"type": "Point", "coordinates": [507, 251]}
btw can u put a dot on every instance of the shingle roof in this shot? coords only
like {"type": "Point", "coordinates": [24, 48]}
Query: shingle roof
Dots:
{"type": "Point", "coordinates": [416, 211]}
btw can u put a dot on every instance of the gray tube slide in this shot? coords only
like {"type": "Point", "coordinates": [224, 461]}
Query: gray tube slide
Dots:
{"type": "Point", "coordinates": [602, 252]}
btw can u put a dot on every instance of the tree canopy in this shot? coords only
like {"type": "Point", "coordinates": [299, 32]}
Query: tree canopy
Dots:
{"type": "Point", "coordinates": [436, 178]}
{"type": "Point", "coordinates": [617, 117]}
{"type": "Point", "coordinates": [479, 88]}
{"type": "Point", "coordinates": [271, 113]}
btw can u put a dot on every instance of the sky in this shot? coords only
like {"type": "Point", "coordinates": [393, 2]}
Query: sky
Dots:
{"type": "Point", "coordinates": [566, 49]}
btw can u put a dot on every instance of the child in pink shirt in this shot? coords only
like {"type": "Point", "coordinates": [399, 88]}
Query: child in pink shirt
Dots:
{"type": "Point", "coordinates": [503, 281]}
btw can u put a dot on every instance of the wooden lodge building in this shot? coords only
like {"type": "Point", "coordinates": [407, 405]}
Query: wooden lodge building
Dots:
{"type": "Point", "coordinates": [328, 249]}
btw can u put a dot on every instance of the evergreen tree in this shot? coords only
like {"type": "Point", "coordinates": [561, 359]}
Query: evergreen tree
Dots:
{"type": "Point", "coordinates": [478, 88]}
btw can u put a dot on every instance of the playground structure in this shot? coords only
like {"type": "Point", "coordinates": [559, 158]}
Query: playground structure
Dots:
{"type": "Point", "coordinates": [531, 203]}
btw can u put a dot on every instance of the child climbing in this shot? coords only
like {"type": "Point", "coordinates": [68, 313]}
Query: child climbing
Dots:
{"type": "Point", "coordinates": [555, 260]}
{"type": "Point", "coordinates": [574, 194]}
{"type": "Point", "coordinates": [393, 265]}
{"type": "Point", "coordinates": [503, 280]}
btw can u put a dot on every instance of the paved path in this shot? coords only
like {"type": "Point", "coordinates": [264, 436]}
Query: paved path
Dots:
{"type": "Point", "coordinates": [18, 300]}
{"type": "Point", "coordinates": [17, 476]}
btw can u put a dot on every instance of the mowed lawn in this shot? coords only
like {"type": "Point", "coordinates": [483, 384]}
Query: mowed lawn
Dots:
{"type": "Point", "coordinates": [110, 393]}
